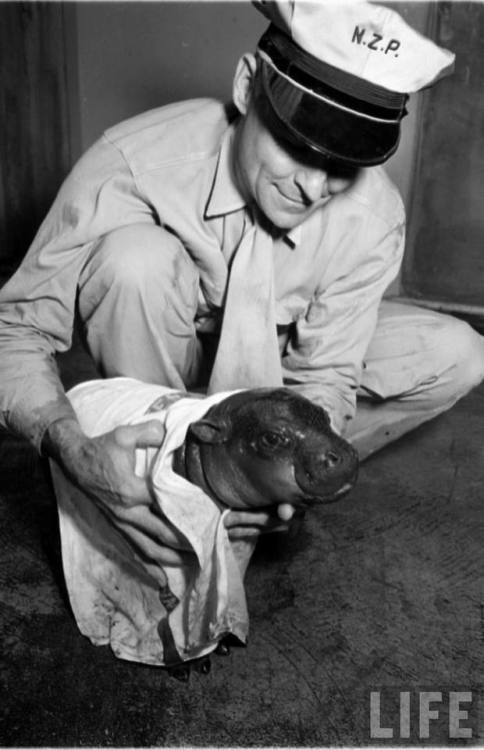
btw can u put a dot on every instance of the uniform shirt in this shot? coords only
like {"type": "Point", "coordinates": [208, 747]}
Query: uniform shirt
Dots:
{"type": "Point", "coordinates": [172, 166]}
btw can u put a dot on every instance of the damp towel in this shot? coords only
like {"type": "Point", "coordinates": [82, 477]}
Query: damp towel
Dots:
{"type": "Point", "coordinates": [147, 612]}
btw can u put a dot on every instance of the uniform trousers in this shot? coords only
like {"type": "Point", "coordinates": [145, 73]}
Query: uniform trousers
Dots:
{"type": "Point", "coordinates": [138, 297]}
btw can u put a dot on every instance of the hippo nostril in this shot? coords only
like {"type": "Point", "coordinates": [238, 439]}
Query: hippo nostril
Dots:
{"type": "Point", "coordinates": [331, 459]}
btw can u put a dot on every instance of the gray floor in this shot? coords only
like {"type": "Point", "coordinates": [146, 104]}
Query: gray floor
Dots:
{"type": "Point", "coordinates": [382, 591]}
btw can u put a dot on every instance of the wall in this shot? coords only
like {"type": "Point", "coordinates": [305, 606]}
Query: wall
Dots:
{"type": "Point", "coordinates": [34, 127]}
{"type": "Point", "coordinates": [134, 56]}
{"type": "Point", "coordinates": [401, 166]}
{"type": "Point", "coordinates": [444, 262]}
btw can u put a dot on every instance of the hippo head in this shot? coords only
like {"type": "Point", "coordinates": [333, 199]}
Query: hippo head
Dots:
{"type": "Point", "coordinates": [267, 446]}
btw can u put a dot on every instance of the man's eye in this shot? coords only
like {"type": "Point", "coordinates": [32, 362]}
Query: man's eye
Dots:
{"type": "Point", "coordinates": [339, 171]}
{"type": "Point", "coordinates": [298, 150]}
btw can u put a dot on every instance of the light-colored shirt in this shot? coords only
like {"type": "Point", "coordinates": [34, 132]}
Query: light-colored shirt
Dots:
{"type": "Point", "coordinates": [172, 166]}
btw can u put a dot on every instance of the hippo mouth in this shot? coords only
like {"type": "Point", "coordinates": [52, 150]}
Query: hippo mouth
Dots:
{"type": "Point", "coordinates": [323, 499]}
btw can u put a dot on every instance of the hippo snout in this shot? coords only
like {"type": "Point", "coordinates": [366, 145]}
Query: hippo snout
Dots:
{"type": "Point", "coordinates": [327, 473]}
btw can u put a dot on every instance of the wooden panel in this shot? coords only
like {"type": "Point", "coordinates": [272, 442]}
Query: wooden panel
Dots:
{"type": "Point", "coordinates": [445, 255]}
{"type": "Point", "coordinates": [34, 144]}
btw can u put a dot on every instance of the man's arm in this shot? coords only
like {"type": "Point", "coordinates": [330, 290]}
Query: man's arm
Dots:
{"type": "Point", "coordinates": [103, 467]}
{"type": "Point", "coordinates": [324, 360]}
{"type": "Point", "coordinates": [36, 321]}
{"type": "Point", "coordinates": [37, 303]}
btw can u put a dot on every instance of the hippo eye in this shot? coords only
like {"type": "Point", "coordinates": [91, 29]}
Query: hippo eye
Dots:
{"type": "Point", "coordinates": [273, 440]}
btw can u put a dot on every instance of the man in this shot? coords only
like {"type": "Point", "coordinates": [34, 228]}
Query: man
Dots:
{"type": "Point", "coordinates": [183, 226]}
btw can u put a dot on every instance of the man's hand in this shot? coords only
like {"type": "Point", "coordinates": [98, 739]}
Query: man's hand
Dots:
{"type": "Point", "coordinates": [104, 468]}
{"type": "Point", "coordinates": [243, 524]}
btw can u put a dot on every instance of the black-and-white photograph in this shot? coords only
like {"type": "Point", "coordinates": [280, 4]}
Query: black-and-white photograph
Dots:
{"type": "Point", "coordinates": [241, 373]}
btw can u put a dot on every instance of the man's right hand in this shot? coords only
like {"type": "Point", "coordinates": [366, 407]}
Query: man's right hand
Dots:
{"type": "Point", "coordinates": [103, 468]}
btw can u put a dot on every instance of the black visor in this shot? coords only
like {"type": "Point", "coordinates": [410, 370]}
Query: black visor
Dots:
{"type": "Point", "coordinates": [341, 116]}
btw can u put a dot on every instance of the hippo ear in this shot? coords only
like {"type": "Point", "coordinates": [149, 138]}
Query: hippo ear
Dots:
{"type": "Point", "coordinates": [209, 431]}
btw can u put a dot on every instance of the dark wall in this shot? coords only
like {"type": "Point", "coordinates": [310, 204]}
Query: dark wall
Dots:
{"type": "Point", "coordinates": [34, 127]}
{"type": "Point", "coordinates": [445, 261]}
{"type": "Point", "coordinates": [68, 70]}
{"type": "Point", "coordinates": [135, 56]}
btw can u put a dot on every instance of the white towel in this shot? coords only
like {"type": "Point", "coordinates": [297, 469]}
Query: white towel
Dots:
{"type": "Point", "coordinates": [146, 612]}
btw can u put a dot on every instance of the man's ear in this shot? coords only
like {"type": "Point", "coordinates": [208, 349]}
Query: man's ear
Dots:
{"type": "Point", "coordinates": [209, 431]}
{"type": "Point", "coordinates": [244, 81]}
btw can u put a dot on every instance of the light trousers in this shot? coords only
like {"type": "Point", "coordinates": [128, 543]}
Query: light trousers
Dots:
{"type": "Point", "coordinates": [138, 304]}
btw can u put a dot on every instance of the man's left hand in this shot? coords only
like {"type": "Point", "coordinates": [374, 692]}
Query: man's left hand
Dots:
{"type": "Point", "coordinates": [242, 524]}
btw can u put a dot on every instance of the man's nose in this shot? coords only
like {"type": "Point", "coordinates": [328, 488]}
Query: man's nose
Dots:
{"type": "Point", "coordinates": [317, 184]}
{"type": "Point", "coordinates": [313, 183]}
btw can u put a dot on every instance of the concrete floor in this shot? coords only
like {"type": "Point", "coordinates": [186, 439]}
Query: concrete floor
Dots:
{"type": "Point", "coordinates": [382, 591]}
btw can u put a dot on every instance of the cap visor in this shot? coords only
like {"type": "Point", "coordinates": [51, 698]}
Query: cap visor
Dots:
{"type": "Point", "coordinates": [322, 125]}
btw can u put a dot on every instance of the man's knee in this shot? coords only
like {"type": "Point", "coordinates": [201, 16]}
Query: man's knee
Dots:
{"type": "Point", "coordinates": [421, 354]}
{"type": "Point", "coordinates": [141, 257]}
{"type": "Point", "coordinates": [141, 253]}
{"type": "Point", "coordinates": [462, 352]}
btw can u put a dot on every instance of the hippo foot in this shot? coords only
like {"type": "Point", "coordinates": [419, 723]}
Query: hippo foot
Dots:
{"type": "Point", "coordinates": [203, 665]}
{"type": "Point", "coordinates": [226, 644]}
{"type": "Point", "coordinates": [223, 649]}
{"type": "Point", "coordinates": [181, 672]}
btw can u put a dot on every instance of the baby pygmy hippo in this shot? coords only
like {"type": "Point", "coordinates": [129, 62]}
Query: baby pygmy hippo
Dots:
{"type": "Point", "coordinates": [245, 449]}
{"type": "Point", "coordinates": [266, 446]}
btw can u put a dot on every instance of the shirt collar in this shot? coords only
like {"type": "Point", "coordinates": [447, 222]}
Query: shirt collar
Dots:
{"type": "Point", "coordinates": [294, 236]}
{"type": "Point", "coordinates": [225, 196]}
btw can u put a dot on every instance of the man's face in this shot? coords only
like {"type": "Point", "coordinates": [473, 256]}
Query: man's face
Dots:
{"type": "Point", "coordinates": [287, 181]}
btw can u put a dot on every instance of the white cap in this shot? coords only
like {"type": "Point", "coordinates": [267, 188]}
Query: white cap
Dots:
{"type": "Point", "coordinates": [352, 56]}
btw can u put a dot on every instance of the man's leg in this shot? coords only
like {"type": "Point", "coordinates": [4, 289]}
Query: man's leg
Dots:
{"type": "Point", "coordinates": [418, 364]}
{"type": "Point", "coordinates": [137, 300]}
